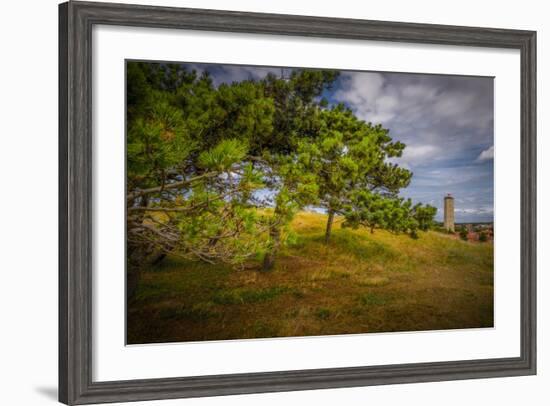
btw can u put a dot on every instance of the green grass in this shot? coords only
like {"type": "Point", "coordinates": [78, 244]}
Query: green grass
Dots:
{"type": "Point", "coordinates": [372, 299]}
{"type": "Point", "coordinates": [322, 313]}
{"type": "Point", "coordinates": [196, 312]}
{"type": "Point", "coordinates": [246, 296]}
{"type": "Point", "coordinates": [359, 283]}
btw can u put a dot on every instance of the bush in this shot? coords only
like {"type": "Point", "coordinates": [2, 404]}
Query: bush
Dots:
{"type": "Point", "coordinates": [463, 234]}
{"type": "Point", "coordinates": [483, 236]}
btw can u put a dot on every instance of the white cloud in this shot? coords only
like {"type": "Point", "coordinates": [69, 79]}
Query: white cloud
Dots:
{"type": "Point", "coordinates": [422, 108]}
{"type": "Point", "coordinates": [417, 154]}
{"type": "Point", "coordinates": [486, 155]}
{"type": "Point", "coordinates": [365, 93]}
{"type": "Point", "coordinates": [475, 210]}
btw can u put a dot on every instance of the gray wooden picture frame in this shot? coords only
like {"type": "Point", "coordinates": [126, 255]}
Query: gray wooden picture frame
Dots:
{"type": "Point", "coordinates": [76, 20]}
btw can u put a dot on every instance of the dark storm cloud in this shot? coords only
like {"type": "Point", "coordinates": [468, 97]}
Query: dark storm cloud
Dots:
{"type": "Point", "coordinates": [445, 121]}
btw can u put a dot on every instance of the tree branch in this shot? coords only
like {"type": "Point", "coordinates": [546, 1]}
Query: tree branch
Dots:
{"type": "Point", "coordinates": [134, 195]}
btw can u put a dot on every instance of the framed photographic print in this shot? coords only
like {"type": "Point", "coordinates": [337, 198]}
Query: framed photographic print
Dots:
{"type": "Point", "coordinates": [257, 202]}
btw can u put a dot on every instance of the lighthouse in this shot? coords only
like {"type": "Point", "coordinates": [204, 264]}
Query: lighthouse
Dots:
{"type": "Point", "coordinates": [449, 213]}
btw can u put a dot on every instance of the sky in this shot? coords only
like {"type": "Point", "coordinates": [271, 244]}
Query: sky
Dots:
{"type": "Point", "coordinates": [446, 122]}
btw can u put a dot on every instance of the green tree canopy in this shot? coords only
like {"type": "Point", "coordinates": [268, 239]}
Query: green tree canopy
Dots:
{"type": "Point", "coordinates": [217, 173]}
{"type": "Point", "coordinates": [398, 215]}
{"type": "Point", "coordinates": [189, 183]}
{"type": "Point", "coordinates": [349, 155]}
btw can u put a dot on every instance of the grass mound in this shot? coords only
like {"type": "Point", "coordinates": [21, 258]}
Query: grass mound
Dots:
{"type": "Point", "coordinates": [358, 283]}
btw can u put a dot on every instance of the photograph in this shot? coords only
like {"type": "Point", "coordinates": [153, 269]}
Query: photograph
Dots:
{"type": "Point", "coordinates": [268, 202]}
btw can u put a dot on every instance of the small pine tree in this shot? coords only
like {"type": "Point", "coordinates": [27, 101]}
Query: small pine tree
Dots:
{"type": "Point", "coordinates": [372, 210]}
{"type": "Point", "coordinates": [483, 236]}
{"type": "Point", "coordinates": [463, 234]}
{"type": "Point", "coordinates": [350, 155]}
{"type": "Point", "coordinates": [424, 215]}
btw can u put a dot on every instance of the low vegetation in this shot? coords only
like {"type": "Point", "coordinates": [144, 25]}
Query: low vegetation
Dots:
{"type": "Point", "coordinates": [357, 283]}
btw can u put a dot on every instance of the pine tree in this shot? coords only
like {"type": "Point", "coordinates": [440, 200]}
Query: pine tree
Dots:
{"type": "Point", "coordinates": [197, 156]}
{"type": "Point", "coordinates": [295, 120]}
{"type": "Point", "coordinates": [396, 214]}
{"type": "Point", "coordinates": [189, 182]}
{"type": "Point", "coordinates": [350, 155]}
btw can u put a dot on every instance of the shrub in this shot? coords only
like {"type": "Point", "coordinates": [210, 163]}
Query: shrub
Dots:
{"type": "Point", "coordinates": [483, 236]}
{"type": "Point", "coordinates": [463, 234]}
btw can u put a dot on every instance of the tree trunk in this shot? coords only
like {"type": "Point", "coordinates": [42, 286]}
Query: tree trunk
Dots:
{"type": "Point", "coordinates": [269, 258]}
{"type": "Point", "coordinates": [329, 226]}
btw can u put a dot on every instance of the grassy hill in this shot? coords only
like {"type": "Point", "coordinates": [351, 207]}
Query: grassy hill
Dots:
{"type": "Point", "coordinates": [359, 283]}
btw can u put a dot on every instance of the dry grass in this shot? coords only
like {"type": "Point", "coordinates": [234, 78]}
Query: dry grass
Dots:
{"type": "Point", "coordinates": [359, 283]}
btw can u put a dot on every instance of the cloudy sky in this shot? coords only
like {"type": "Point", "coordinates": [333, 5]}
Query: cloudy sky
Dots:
{"type": "Point", "coordinates": [445, 121]}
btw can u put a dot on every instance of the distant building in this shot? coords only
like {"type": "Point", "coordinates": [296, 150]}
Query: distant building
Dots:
{"type": "Point", "coordinates": [449, 213]}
